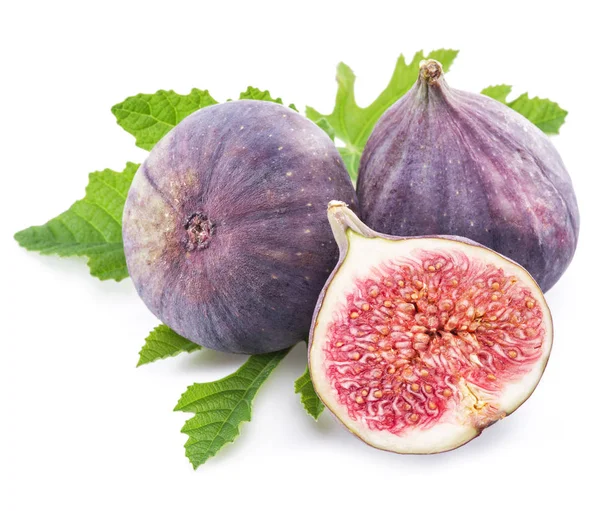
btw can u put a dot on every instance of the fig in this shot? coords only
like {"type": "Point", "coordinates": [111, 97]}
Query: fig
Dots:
{"type": "Point", "coordinates": [444, 161]}
{"type": "Point", "coordinates": [418, 344]}
{"type": "Point", "coordinates": [225, 228]}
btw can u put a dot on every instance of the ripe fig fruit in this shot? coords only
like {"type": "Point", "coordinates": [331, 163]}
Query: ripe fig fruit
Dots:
{"type": "Point", "coordinates": [225, 232]}
{"type": "Point", "coordinates": [418, 344]}
{"type": "Point", "coordinates": [444, 161]}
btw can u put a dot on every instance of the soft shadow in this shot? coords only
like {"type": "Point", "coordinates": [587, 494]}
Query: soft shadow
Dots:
{"type": "Point", "coordinates": [479, 448]}
{"type": "Point", "coordinates": [292, 367]}
{"type": "Point", "coordinates": [326, 424]}
{"type": "Point", "coordinates": [205, 358]}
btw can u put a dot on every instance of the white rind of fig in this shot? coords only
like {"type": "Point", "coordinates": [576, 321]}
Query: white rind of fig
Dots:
{"type": "Point", "coordinates": [472, 406]}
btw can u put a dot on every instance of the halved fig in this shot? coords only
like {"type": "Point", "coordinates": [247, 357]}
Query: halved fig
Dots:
{"type": "Point", "coordinates": [418, 344]}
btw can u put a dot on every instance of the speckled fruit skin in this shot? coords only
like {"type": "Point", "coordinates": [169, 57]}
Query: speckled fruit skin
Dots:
{"type": "Point", "coordinates": [443, 161]}
{"type": "Point", "coordinates": [225, 228]}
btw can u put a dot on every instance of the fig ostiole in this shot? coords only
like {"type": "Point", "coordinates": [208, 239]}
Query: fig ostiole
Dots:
{"type": "Point", "coordinates": [225, 232]}
{"type": "Point", "coordinates": [444, 161]}
{"type": "Point", "coordinates": [418, 344]}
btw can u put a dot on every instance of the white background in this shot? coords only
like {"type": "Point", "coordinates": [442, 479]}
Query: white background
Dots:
{"type": "Point", "coordinates": [82, 429]}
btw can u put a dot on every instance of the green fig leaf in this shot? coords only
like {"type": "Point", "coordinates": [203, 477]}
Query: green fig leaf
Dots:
{"type": "Point", "coordinates": [308, 397]}
{"type": "Point", "coordinates": [351, 157]}
{"type": "Point", "coordinates": [497, 92]}
{"type": "Point", "coordinates": [326, 127]}
{"type": "Point", "coordinates": [91, 227]}
{"type": "Point", "coordinates": [149, 117]}
{"type": "Point", "coordinates": [163, 342]}
{"type": "Point", "coordinates": [353, 124]}
{"type": "Point", "coordinates": [545, 114]}
{"type": "Point", "coordinates": [262, 95]}
{"type": "Point", "coordinates": [221, 406]}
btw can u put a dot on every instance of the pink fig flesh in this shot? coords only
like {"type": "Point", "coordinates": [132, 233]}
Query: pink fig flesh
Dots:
{"type": "Point", "coordinates": [418, 344]}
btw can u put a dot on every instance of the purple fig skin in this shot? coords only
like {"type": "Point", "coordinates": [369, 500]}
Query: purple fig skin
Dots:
{"type": "Point", "coordinates": [225, 229]}
{"type": "Point", "coordinates": [444, 161]}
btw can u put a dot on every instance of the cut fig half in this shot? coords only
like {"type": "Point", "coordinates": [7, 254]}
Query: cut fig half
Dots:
{"type": "Point", "coordinates": [418, 344]}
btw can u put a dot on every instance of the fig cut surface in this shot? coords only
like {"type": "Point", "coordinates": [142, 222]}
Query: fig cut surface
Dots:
{"type": "Point", "coordinates": [418, 344]}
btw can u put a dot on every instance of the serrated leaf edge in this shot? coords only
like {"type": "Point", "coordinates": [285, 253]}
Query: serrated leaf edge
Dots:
{"type": "Point", "coordinates": [270, 366]}
{"type": "Point", "coordinates": [301, 382]}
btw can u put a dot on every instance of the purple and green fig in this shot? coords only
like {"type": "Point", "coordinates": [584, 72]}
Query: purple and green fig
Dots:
{"type": "Point", "coordinates": [225, 228]}
{"type": "Point", "coordinates": [444, 161]}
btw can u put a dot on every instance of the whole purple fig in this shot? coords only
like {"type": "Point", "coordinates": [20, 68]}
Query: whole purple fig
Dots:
{"type": "Point", "coordinates": [444, 161]}
{"type": "Point", "coordinates": [225, 226]}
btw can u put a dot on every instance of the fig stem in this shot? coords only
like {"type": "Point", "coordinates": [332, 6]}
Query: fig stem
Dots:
{"type": "Point", "coordinates": [341, 218]}
{"type": "Point", "coordinates": [430, 71]}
